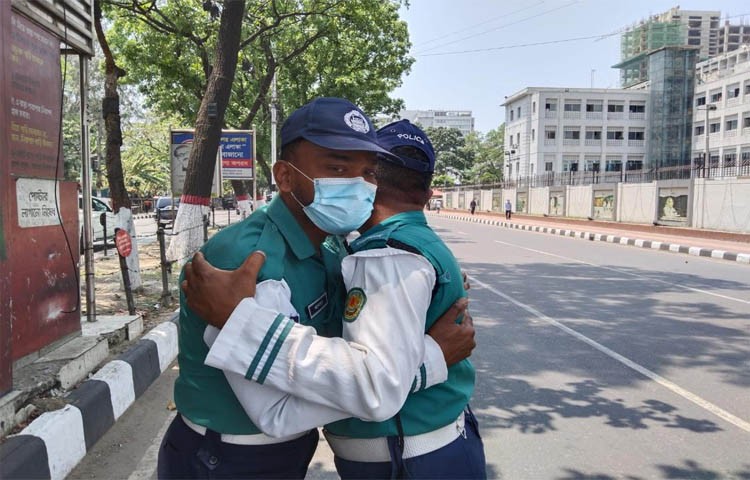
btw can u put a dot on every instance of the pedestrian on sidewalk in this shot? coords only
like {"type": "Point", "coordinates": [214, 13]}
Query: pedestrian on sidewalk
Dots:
{"type": "Point", "coordinates": [473, 205]}
{"type": "Point", "coordinates": [508, 207]}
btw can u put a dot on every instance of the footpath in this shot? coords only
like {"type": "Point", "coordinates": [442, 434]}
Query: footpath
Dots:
{"type": "Point", "coordinates": [51, 445]}
{"type": "Point", "coordinates": [728, 246]}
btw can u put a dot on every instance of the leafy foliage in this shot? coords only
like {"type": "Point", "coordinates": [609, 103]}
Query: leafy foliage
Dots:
{"type": "Point", "coordinates": [357, 49]}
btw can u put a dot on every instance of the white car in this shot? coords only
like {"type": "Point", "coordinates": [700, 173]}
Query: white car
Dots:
{"type": "Point", "coordinates": [99, 207]}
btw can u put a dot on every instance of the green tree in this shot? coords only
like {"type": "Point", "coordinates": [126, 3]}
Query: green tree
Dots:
{"type": "Point", "coordinates": [489, 157]}
{"type": "Point", "coordinates": [450, 153]}
{"type": "Point", "coordinates": [355, 49]}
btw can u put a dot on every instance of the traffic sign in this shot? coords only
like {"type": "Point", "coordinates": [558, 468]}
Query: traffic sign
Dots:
{"type": "Point", "coordinates": [123, 243]}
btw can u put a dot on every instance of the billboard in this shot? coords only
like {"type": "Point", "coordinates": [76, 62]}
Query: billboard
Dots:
{"type": "Point", "coordinates": [236, 148]}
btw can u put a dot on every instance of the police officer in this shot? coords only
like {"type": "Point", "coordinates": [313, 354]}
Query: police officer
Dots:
{"type": "Point", "coordinates": [400, 269]}
{"type": "Point", "coordinates": [329, 146]}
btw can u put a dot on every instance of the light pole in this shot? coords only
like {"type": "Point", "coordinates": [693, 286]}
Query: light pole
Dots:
{"type": "Point", "coordinates": [708, 107]}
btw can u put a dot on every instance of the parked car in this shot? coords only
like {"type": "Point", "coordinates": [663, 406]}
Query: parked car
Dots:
{"type": "Point", "coordinates": [165, 210]}
{"type": "Point", "coordinates": [99, 206]}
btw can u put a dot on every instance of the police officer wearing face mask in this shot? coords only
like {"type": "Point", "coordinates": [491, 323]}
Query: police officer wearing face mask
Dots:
{"type": "Point", "coordinates": [399, 279]}
{"type": "Point", "coordinates": [326, 186]}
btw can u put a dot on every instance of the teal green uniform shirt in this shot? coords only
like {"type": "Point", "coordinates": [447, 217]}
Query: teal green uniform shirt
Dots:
{"type": "Point", "coordinates": [202, 393]}
{"type": "Point", "coordinates": [437, 406]}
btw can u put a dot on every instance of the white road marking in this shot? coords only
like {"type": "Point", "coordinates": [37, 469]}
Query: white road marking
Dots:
{"type": "Point", "coordinates": [461, 233]}
{"type": "Point", "coordinates": [146, 468]}
{"type": "Point", "coordinates": [684, 287]}
{"type": "Point", "coordinates": [705, 404]}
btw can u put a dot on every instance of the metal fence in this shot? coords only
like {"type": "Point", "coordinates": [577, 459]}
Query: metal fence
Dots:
{"type": "Point", "coordinates": [592, 177]}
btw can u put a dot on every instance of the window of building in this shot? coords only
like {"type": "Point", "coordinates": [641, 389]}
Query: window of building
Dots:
{"type": "Point", "coordinates": [511, 114]}
{"type": "Point", "coordinates": [550, 133]}
{"type": "Point", "coordinates": [637, 108]}
{"type": "Point", "coordinates": [700, 101]}
{"type": "Point", "coordinates": [733, 91]}
{"type": "Point", "coordinates": [570, 163]}
{"type": "Point", "coordinates": [594, 106]}
{"type": "Point", "coordinates": [714, 127]}
{"type": "Point", "coordinates": [593, 134]}
{"type": "Point", "coordinates": [745, 157]}
{"type": "Point", "coordinates": [572, 107]}
{"type": "Point", "coordinates": [615, 134]}
{"type": "Point", "coordinates": [636, 134]}
{"type": "Point", "coordinates": [635, 162]}
{"type": "Point", "coordinates": [746, 121]}
{"type": "Point", "coordinates": [547, 166]}
{"type": "Point", "coordinates": [518, 140]}
{"type": "Point", "coordinates": [533, 135]}
{"type": "Point", "coordinates": [700, 129]}
{"type": "Point", "coordinates": [747, 88]}
{"type": "Point", "coordinates": [592, 163]}
{"type": "Point", "coordinates": [550, 106]}
{"type": "Point", "coordinates": [572, 133]}
{"type": "Point", "coordinates": [730, 159]}
{"type": "Point", "coordinates": [533, 107]}
{"type": "Point", "coordinates": [615, 107]}
{"type": "Point", "coordinates": [731, 124]}
{"type": "Point", "coordinates": [614, 163]}
{"type": "Point", "coordinates": [694, 41]}
{"type": "Point", "coordinates": [716, 97]}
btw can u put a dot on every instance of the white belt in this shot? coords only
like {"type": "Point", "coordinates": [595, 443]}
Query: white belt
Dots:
{"type": "Point", "coordinates": [376, 449]}
{"type": "Point", "coordinates": [254, 439]}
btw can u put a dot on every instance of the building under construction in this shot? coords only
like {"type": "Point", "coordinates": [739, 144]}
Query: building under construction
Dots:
{"type": "Point", "coordinates": [698, 29]}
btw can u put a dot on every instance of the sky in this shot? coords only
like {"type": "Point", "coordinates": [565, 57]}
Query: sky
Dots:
{"type": "Point", "coordinates": [479, 81]}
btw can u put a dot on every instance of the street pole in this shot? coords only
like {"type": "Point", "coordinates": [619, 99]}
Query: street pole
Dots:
{"type": "Point", "coordinates": [273, 129]}
{"type": "Point", "coordinates": [88, 251]}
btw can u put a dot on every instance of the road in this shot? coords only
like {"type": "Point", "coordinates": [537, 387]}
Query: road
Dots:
{"type": "Point", "coordinates": [595, 361]}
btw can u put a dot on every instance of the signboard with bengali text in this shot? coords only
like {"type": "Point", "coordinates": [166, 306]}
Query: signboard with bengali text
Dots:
{"type": "Point", "coordinates": [236, 147]}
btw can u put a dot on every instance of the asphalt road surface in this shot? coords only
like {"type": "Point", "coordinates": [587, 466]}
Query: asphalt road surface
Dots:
{"type": "Point", "coordinates": [595, 361]}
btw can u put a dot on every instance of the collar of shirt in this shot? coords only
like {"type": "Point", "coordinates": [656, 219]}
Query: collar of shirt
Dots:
{"type": "Point", "coordinates": [290, 229]}
{"type": "Point", "coordinates": [384, 228]}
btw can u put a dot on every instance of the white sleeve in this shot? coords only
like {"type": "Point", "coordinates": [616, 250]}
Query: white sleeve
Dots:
{"type": "Point", "coordinates": [369, 372]}
{"type": "Point", "coordinates": [274, 412]}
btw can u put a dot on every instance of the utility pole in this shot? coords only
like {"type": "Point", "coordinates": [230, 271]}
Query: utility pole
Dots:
{"type": "Point", "coordinates": [274, 120]}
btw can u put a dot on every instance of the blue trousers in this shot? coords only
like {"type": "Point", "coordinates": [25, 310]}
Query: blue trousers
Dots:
{"type": "Point", "coordinates": [462, 458]}
{"type": "Point", "coordinates": [187, 454]}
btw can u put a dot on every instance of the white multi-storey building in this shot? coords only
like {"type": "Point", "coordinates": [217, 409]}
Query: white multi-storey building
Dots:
{"type": "Point", "coordinates": [574, 129]}
{"type": "Point", "coordinates": [700, 28]}
{"type": "Point", "coordinates": [459, 119]}
{"type": "Point", "coordinates": [723, 89]}
{"type": "Point", "coordinates": [731, 37]}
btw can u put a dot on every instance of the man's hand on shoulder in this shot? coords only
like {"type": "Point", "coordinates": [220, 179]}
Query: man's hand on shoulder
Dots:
{"type": "Point", "coordinates": [212, 293]}
{"type": "Point", "coordinates": [456, 340]}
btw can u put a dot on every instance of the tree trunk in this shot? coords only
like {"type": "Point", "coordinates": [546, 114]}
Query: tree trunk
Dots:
{"type": "Point", "coordinates": [111, 112]}
{"type": "Point", "coordinates": [196, 195]}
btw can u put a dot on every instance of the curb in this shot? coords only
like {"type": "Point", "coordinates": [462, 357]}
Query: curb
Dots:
{"type": "Point", "coordinates": [53, 444]}
{"type": "Point", "coordinates": [601, 237]}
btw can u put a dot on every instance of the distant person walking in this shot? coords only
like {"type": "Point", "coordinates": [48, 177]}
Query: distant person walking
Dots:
{"type": "Point", "coordinates": [507, 208]}
{"type": "Point", "coordinates": [473, 206]}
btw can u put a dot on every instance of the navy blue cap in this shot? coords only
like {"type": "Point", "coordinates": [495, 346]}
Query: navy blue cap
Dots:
{"type": "Point", "coordinates": [404, 134]}
{"type": "Point", "coordinates": [333, 123]}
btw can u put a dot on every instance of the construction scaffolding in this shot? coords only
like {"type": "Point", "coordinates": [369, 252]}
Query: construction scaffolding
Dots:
{"type": "Point", "coordinates": [638, 41]}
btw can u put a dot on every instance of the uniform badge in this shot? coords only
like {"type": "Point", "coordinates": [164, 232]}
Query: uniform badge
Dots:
{"type": "Point", "coordinates": [357, 121]}
{"type": "Point", "coordinates": [355, 300]}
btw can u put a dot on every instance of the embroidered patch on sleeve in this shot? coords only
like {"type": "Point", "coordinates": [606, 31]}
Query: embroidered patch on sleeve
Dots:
{"type": "Point", "coordinates": [355, 300]}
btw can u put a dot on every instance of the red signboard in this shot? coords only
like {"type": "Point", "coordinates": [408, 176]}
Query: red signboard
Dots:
{"type": "Point", "coordinates": [33, 84]}
{"type": "Point", "coordinates": [123, 243]}
{"type": "Point", "coordinates": [6, 360]}
{"type": "Point", "coordinates": [40, 212]}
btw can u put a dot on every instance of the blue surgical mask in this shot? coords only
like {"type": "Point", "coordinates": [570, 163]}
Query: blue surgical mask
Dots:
{"type": "Point", "coordinates": [340, 205]}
